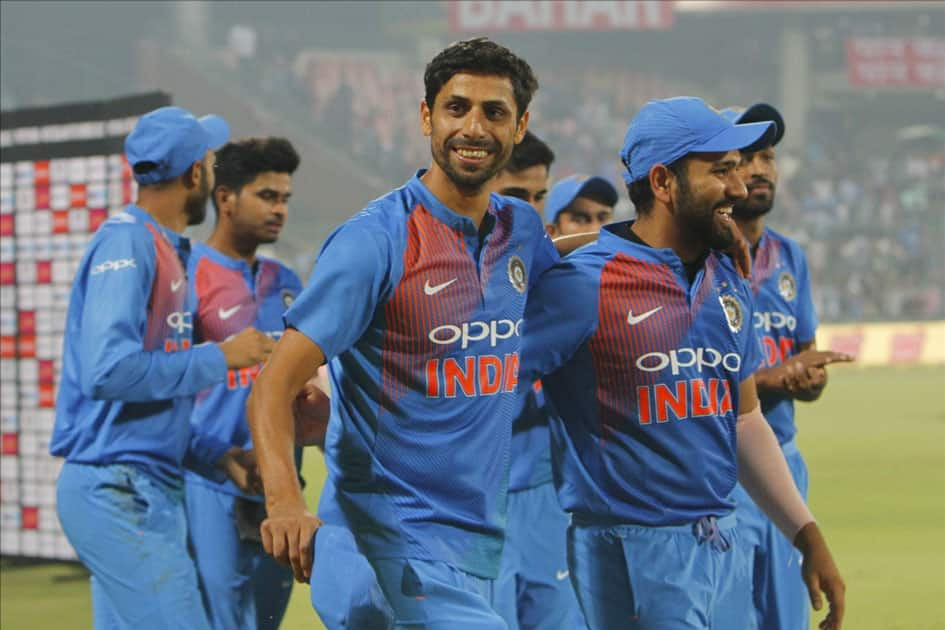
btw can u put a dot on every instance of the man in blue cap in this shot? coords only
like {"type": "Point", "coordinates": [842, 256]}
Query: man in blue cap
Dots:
{"type": "Point", "coordinates": [129, 374]}
{"type": "Point", "coordinates": [649, 362]}
{"type": "Point", "coordinates": [579, 204]}
{"type": "Point", "coordinates": [793, 369]}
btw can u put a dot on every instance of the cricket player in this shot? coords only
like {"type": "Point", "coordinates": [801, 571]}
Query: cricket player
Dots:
{"type": "Point", "coordinates": [130, 372]}
{"type": "Point", "coordinates": [793, 369]}
{"type": "Point", "coordinates": [235, 288]}
{"type": "Point", "coordinates": [649, 362]}
{"type": "Point", "coordinates": [527, 172]}
{"type": "Point", "coordinates": [579, 204]}
{"type": "Point", "coordinates": [416, 303]}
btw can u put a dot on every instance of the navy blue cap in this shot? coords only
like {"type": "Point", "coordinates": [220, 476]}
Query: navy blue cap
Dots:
{"type": "Point", "coordinates": [564, 193]}
{"type": "Point", "coordinates": [669, 129]}
{"type": "Point", "coordinates": [172, 139]}
{"type": "Point", "coordinates": [759, 112]}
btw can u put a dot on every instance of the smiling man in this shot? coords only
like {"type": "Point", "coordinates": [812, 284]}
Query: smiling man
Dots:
{"type": "Point", "coordinates": [649, 362]}
{"type": "Point", "coordinates": [235, 288]}
{"type": "Point", "coordinates": [416, 302]}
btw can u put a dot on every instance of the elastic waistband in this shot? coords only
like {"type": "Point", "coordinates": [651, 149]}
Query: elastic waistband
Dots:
{"type": "Point", "coordinates": [790, 447]}
{"type": "Point", "coordinates": [724, 522]}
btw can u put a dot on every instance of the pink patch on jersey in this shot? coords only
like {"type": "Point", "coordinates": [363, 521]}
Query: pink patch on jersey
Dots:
{"type": "Point", "coordinates": [167, 319]}
{"type": "Point", "coordinates": [766, 261]}
{"type": "Point", "coordinates": [225, 304]}
{"type": "Point", "coordinates": [498, 243]}
{"type": "Point", "coordinates": [439, 287]}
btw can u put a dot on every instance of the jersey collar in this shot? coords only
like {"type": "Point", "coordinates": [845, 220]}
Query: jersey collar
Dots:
{"type": "Point", "coordinates": [439, 210]}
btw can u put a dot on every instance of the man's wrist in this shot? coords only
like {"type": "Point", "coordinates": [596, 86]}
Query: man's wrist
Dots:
{"type": "Point", "coordinates": [809, 538]}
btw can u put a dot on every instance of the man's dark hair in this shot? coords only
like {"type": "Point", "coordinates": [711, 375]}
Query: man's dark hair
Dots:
{"type": "Point", "coordinates": [485, 57]}
{"type": "Point", "coordinates": [531, 151]}
{"type": "Point", "coordinates": [641, 194]}
{"type": "Point", "coordinates": [241, 161]}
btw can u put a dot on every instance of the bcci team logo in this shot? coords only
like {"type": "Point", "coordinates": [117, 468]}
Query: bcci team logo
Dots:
{"type": "Point", "coordinates": [287, 298]}
{"type": "Point", "coordinates": [517, 275]}
{"type": "Point", "coordinates": [733, 312]}
{"type": "Point", "coordinates": [787, 286]}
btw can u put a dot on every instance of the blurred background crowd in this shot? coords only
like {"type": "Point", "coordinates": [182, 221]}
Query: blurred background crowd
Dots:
{"type": "Point", "coordinates": [862, 86]}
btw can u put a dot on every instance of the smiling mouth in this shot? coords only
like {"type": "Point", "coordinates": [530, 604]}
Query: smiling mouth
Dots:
{"type": "Point", "coordinates": [471, 154]}
{"type": "Point", "coordinates": [725, 212]}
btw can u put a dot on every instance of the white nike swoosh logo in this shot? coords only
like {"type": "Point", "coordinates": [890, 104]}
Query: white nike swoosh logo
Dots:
{"type": "Point", "coordinates": [560, 575]}
{"type": "Point", "coordinates": [437, 288]}
{"type": "Point", "coordinates": [176, 284]}
{"type": "Point", "coordinates": [639, 318]}
{"type": "Point", "coordinates": [227, 313]}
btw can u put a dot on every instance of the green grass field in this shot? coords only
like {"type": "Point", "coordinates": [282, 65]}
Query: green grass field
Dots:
{"type": "Point", "coordinates": [875, 446]}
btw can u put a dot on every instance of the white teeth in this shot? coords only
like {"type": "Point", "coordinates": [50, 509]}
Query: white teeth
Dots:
{"type": "Point", "coordinates": [472, 153]}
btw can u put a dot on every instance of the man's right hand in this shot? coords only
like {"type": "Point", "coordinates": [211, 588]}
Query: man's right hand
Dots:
{"type": "Point", "coordinates": [247, 348]}
{"type": "Point", "coordinates": [288, 536]}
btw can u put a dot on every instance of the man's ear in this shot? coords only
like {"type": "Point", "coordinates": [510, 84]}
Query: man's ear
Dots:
{"type": "Point", "coordinates": [225, 199]}
{"type": "Point", "coordinates": [521, 128]}
{"type": "Point", "coordinates": [661, 182]}
{"type": "Point", "coordinates": [192, 176]}
{"type": "Point", "coordinates": [426, 119]}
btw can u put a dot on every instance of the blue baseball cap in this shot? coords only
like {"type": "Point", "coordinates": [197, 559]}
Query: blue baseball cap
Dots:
{"type": "Point", "coordinates": [172, 139]}
{"type": "Point", "coordinates": [570, 188]}
{"type": "Point", "coordinates": [759, 112]}
{"type": "Point", "coordinates": [669, 129]}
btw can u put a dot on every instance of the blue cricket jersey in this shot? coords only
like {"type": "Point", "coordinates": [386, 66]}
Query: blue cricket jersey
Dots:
{"type": "Point", "coordinates": [420, 318]}
{"type": "Point", "coordinates": [644, 369]}
{"type": "Point", "coordinates": [784, 316]}
{"type": "Point", "coordinates": [230, 297]}
{"type": "Point", "coordinates": [129, 369]}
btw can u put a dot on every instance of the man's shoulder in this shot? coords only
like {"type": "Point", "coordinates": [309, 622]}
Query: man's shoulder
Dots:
{"type": "Point", "coordinates": [525, 218]}
{"type": "Point", "coordinates": [285, 275]}
{"type": "Point", "coordinates": [123, 229]}
{"type": "Point", "coordinates": [786, 243]}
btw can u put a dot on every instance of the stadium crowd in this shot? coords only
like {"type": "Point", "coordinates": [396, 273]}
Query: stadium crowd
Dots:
{"type": "Point", "coordinates": [861, 218]}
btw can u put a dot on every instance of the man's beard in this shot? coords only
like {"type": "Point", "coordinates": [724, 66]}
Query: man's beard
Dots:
{"type": "Point", "coordinates": [196, 206]}
{"type": "Point", "coordinates": [748, 208]}
{"type": "Point", "coordinates": [474, 180]}
{"type": "Point", "coordinates": [698, 217]}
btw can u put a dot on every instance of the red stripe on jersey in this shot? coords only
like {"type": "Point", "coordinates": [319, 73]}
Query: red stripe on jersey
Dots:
{"type": "Point", "coordinates": [706, 286]}
{"type": "Point", "coordinates": [168, 293]}
{"type": "Point", "coordinates": [641, 309]}
{"type": "Point", "coordinates": [439, 287]}
{"type": "Point", "coordinates": [225, 305]}
{"type": "Point", "coordinates": [498, 242]}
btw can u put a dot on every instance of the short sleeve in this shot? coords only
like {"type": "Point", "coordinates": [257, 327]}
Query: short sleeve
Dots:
{"type": "Point", "coordinates": [350, 279]}
{"type": "Point", "coordinates": [560, 315]}
{"type": "Point", "coordinates": [546, 255]}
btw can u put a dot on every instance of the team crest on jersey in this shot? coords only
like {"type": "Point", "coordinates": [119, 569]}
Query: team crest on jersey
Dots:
{"type": "Point", "coordinates": [787, 286]}
{"type": "Point", "coordinates": [517, 275]}
{"type": "Point", "coordinates": [287, 298]}
{"type": "Point", "coordinates": [733, 312]}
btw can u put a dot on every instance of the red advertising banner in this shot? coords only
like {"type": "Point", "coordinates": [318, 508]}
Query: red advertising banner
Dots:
{"type": "Point", "coordinates": [480, 16]}
{"type": "Point", "coordinates": [896, 62]}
